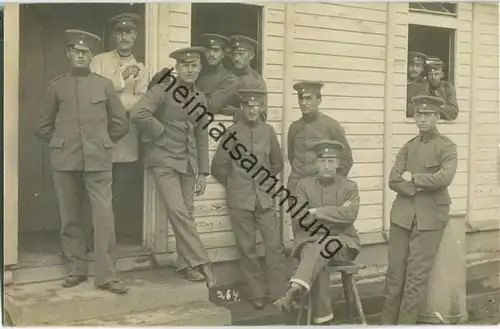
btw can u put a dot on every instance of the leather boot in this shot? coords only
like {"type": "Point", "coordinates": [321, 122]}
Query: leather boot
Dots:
{"type": "Point", "coordinates": [208, 274]}
{"type": "Point", "coordinates": [286, 303]}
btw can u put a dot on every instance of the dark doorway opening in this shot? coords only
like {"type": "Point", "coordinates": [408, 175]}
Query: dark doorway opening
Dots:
{"type": "Point", "coordinates": [42, 57]}
{"type": "Point", "coordinates": [228, 19]}
{"type": "Point", "coordinates": [434, 42]}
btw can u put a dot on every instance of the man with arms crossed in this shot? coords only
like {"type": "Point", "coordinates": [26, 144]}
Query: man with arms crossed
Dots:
{"type": "Point", "coordinates": [332, 208]}
{"type": "Point", "coordinates": [425, 166]}
{"type": "Point", "coordinates": [250, 199]}
{"type": "Point", "coordinates": [312, 127]}
{"type": "Point", "coordinates": [82, 117]}
{"type": "Point", "coordinates": [176, 147]}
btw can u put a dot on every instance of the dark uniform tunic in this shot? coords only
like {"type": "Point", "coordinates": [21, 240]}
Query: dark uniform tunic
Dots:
{"type": "Point", "coordinates": [82, 118]}
{"type": "Point", "coordinates": [418, 219]}
{"type": "Point", "coordinates": [303, 133]}
{"type": "Point", "coordinates": [447, 92]}
{"type": "Point", "coordinates": [416, 87]}
{"type": "Point", "coordinates": [219, 86]}
{"type": "Point", "coordinates": [312, 249]}
{"type": "Point", "coordinates": [250, 204]}
{"type": "Point", "coordinates": [176, 147]}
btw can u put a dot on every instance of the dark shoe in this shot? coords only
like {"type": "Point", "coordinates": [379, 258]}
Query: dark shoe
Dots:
{"type": "Point", "coordinates": [192, 275]}
{"type": "Point", "coordinates": [258, 303]}
{"type": "Point", "coordinates": [208, 274]}
{"type": "Point", "coordinates": [286, 303]}
{"type": "Point", "coordinates": [115, 287]}
{"type": "Point", "coordinates": [73, 280]}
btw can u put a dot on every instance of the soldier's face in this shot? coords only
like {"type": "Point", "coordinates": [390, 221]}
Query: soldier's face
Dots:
{"type": "Point", "coordinates": [188, 72]}
{"type": "Point", "coordinates": [327, 167]}
{"type": "Point", "coordinates": [125, 40]}
{"type": "Point", "coordinates": [309, 103]}
{"type": "Point", "coordinates": [426, 121]}
{"type": "Point", "coordinates": [242, 58]}
{"type": "Point", "coordinates": [435, 77]}
{"type": "Point", "coordinates": [415, 70]}
{"type": "Point", "coordinates": [79, 58]}
{"type": "Point", "coordinates": [214, 56]}
{"type": "Point", "coordinates": [251, 112]}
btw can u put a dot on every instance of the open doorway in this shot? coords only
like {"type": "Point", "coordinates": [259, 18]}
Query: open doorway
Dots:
{"type": "Point", "coordinates": [42, 57]}
{"type": "Point", "coordinates": [228, 19]}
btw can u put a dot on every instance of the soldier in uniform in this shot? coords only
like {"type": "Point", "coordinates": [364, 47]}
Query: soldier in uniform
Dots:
{"type": "Point", "coordinates": [130, 79]}
{"type": "Point", "coordinates": [313, 126]}
{"type": "Point", "coordinates": [424, 168]}
{"type": "Point", "coordinates": [249, 196]}
{"type": "Point", "coordinates": [218, 84]}
{"type": "Point", "coordinates": [324, 230]}
{"type": "Point", "coordinates": [417, 84]}
{"type": "Point", "coordinates": [443, 89]}
{"type": "Point", "coordinates": [176, 147]}
{"type": "Point", "coordinates": [243, 50]}
{"type": "Point", "coordinates": [82, 119]}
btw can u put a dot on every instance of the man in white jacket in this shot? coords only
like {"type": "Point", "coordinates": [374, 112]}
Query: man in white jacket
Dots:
{"type": "Point", "coordinates": [130, 79]}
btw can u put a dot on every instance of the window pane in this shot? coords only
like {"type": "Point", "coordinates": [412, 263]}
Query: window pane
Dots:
{"type": "Point", "coordinates": [436, 7]}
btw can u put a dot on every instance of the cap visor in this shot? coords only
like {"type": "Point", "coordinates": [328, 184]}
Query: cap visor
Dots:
{"type": "Point", "coordinates": [81, 47]}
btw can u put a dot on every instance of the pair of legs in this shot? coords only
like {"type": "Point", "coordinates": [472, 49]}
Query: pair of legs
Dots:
{"type": "Point", "coordinates": [313, 276]}
{"type": "Point", "coordinates": [177, 191]}
{"type": "Point", "coordinates": [70, 187]}
{"type": "Point", "coordinates": [244, 225]}
{"type": "Point", "coordinates": [411, 256]}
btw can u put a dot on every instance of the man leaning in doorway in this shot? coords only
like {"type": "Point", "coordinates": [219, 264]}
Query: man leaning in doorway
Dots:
{"type": "Point", "coordinates": [176, 148]}
{"type": "Point", "coordinates": [425, 166]}
{"type": "Point", "coordinates": [249, 198]}
{"type": "Point", "coordinates": [312, 127]}
{"type": "Point", "coordinates": [243, 50]}
{"type": "Point", "coordinates": [333, 205]}
{"type": "Point", "coordinates": [130, 80]}
{"type": "Point", "coordinates": [417, 84]}
{"type": "Point", "coordinates": [82, 117]}
{"type": "Point", "coordinates": [443, 89]}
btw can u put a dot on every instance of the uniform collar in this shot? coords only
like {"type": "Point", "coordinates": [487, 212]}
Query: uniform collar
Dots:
{"type": "Point", "coordinates": [131, 56]}
{"type": "Point", "coordinates": [242, 72]}
{"type": "Point", "coordinates": [209, 69]}
{"type": "Point", "coordinates": [249, 124]}
{"type": "Point", "coordinates": [327, 182]}
{"type": "Point", "coordinates": [79, 72]}
{"type": "Point", "coordinates": [310, 118]}
{"type": "Point", "coordinates": [428, 136]}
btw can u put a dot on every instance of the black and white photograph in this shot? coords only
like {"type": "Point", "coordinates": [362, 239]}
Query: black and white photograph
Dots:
{"type": "Point", "coordinates": [251, 163]}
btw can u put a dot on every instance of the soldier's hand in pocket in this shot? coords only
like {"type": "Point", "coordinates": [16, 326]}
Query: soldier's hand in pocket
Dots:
{"type": "Point", "coordinates": [200, 186]}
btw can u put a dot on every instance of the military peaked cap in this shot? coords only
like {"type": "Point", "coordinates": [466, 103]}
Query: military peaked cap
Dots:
{"type": "Point", "coordinates": [126, 21]}
{"type": "Point", "coordinates": [252, 96]}
{"type": "Point", "coordinates": [243, 42]}
{"type": "Point", "coordinates": [187, 55]}
{"type": "Point", "coordinates": [416, 57]}
{"type": "Point", "coordinates": [327, 148]}
{"type": "Point", "coordinates": [434, 64]}
{"type": "Point", "coordinates": [83, 40]}
{"type": "Point", "coordinates": [212, 40]}
{"type": "Point", "coordinates": [308, 87]}
{"type": "Point", "coordinates": [427, 104]}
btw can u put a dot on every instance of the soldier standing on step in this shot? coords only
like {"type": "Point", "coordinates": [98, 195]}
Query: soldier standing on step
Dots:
{"type": "Point", "coordinates": [130, 79]}
{"type": "Point", "coordinates": [249, 196]}
{"type": "Point", "coordinates": [332, 205]}
{"type": "Point", "coordinates": [176, 147]}
{"type": "Point", "coordinates": [424, 168]}
{"type": "Point", "coordinates": [417, 84]}
{"type": "Point", "coordinates": [312, 127]}
{"type": "Point", "coordinates": [82, 119]}
{"type": "Point", "coordinates": [443, 89]}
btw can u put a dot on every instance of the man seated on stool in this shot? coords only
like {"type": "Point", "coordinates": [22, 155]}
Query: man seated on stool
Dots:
{"type": "Point", "coordinates": [324, 231]}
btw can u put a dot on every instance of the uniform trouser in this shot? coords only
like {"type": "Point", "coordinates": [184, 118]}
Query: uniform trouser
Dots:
{"type": "Point", "coordinates": [244, 227]}
{"type": "Point", "coordinates": [172, 187]}
{"type": "Point", "coordinates": [70, 187]}
{"type": "Point", "coordinates": [314, 275]}
{"type": "Point", "coordinates": [411, 256]}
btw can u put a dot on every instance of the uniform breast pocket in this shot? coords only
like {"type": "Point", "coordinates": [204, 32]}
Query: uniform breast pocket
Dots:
{"type": "Point", "coordinates": [99, 102]}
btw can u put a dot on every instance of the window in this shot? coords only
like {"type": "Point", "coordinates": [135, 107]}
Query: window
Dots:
{"type": "Point", "coordinates": [441, 8]}
{"type": "Point", "coordinates": [228, 19]}
{"type": "Point", "coordinates": [435, 42]}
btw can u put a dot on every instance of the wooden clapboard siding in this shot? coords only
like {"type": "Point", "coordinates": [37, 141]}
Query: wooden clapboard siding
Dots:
{"type": "Point", "coordinates": [485, 195]}
{"type": "Point", "coordinates": [344, 46]}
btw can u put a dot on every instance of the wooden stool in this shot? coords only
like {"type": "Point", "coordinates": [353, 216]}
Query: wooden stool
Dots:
{"type": "Point", "coordinates": [347, 271]}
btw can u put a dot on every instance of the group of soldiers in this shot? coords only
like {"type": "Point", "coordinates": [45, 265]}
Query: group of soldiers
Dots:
{"type": "Point", "coordinates": [99, 114]}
